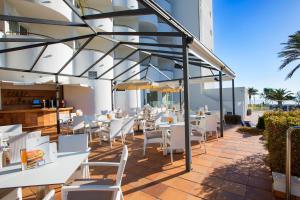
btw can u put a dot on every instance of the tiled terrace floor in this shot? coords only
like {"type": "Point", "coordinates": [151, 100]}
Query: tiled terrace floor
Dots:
{"type": "Point", "coordinates": [233, 168]}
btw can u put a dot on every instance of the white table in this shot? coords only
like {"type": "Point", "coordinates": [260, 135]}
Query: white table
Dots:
{"type": "Point", "coordinates": [54, 173]}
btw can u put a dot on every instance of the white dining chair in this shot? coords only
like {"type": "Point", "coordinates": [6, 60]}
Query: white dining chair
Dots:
{"type": "Point", "coordinates": [127, 128]}
{"type": "Point", "coordinates": [90, 126]}
{"type": "Point", "coordinates": [151, 136]}
{"type": "Point", "coordinates": [212, 125]}
{"type": "Point", "coordinates": [78, 125]}
{"type": "Point", "coordinates": [64, 122]}
{"type": "Point", "coordinates": [9, 131]}
{"type": "Point", "coordinates": [198, 133]}
{"type": "Point", "coordinates": [16, 194]}
{"type": "Point", "coordinates": [50, 195]}
{"type": "Point", "coordinates": [176, 140]}
{"type": "Point", "coordinates": [10, 194]}
{"type": "Point", "coordinates": [111, 132]}
{"type": "Point", "coordinates": [75, 143]}
{"type": "Point", "coordinates": [16, 143]}
{"type": "Point", "coordinates": [98, 188]}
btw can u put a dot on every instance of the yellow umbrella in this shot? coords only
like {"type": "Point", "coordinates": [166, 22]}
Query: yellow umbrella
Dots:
{"type": "Point", "coordinates": [136, 85]}
{"type": "Point", "coordinates": [167, 89]}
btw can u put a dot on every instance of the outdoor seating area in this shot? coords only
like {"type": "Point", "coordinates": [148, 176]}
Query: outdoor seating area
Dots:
{"type": "Point", "coordinates": [232, 168]}
{"type": "Point", "coordinates": [221, 166]}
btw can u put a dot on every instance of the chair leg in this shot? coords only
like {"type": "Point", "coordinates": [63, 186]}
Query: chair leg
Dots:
{"type": "Point", "coordinates": [171, 153]}
{"type": "Point", "coordinates": [144, 150]}
{"type": "Point", "coordinates": [19, 194]}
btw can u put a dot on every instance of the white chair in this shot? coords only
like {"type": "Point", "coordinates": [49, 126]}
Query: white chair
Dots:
{"type": "Point", "coordinates": [10, 194]}
{"type": "Point", "coordinates": [176, 139]}
{"type": "Point", "coordinates": [50, 195]}
{"type": "Point", "coordinates": [9, 131]}
{"type": "Point", "coordinates": [64, 122]}
{"type": "Point", "coordinates": [199, 133]}
{"type": "Point", "coordinates": [75, 143]}
{"type": "Point", "coordinates": [98, 189]}
{"type": "Point", "coordinates": [151, 136]}
{"type": "Point", "coordinates": [111, 132]}
{"type": "Point", "coordinates": [212, 124]}
{"type": "Point", "coordinates": [90, 125]}
{"type": "Point", "coordinates": [16, 143]}
{"type": "Point", "coordinates": [78, 125]}
{"type": "Point", "coordinates": [127, 127]}
{"type": "Point", "coordinates": [16, 194]}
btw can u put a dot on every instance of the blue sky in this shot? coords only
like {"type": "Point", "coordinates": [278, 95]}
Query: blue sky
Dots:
{"type": "Point", "coordinates": [248, 35]}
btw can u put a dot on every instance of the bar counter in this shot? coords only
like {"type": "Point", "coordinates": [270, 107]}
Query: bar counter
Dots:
{"type": "Point", "coordinates": [32, 119]}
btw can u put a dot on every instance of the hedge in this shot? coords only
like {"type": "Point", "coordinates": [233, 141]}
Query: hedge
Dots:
{"type": "Point", "coordinates": [232, 119]}
{"type": "Point", "coordinates": [276, 125]}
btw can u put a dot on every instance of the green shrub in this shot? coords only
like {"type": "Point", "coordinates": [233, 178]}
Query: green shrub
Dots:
{"type": "Point", "coordinates": [276, 125]}
{"type": "Point", "coordinates": [232, 119]}
{"type": "Point", "coordinates": [261, 123]}
{"type": "Point", "coordinates": [250, 130]}
{"type": "Point", "coordinates": [249, 112]}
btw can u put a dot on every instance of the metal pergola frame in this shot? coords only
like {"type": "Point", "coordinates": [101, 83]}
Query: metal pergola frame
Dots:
{"type": "Point", "coordinates": [183, 56]}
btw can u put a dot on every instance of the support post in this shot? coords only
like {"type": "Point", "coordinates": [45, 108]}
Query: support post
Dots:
{"type": "Point", "coordinates": [233, 97]}
{"type": "Point", "coordinates": [57, 105]}
{"type": "Point", "coordinates": [112, 95]}
{"type": "Point", "coordinates": [221, 104]}
{"type": "Point", "coordinates": [180, 98]}
{"type": "Point", "coordinates": [188, 157]}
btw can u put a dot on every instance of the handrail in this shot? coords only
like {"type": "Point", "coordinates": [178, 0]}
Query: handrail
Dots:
{"type": "Point", "coordinates": [288, 161]}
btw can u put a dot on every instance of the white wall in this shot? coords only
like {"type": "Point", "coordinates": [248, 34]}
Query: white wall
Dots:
{"type": "Point", "coordinates": [80, 98]}
{"type": "Point", "coordinates": [210, 97]}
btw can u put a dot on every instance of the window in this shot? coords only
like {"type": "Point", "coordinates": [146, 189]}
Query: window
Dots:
{"type": "Point", "coordinates": [17, 29]}
{"type": "Point", "coordinates": [23, 31]}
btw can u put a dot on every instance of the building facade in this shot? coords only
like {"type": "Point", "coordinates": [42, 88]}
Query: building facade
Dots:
{"type": "Point", "coordinates": [78, 90]}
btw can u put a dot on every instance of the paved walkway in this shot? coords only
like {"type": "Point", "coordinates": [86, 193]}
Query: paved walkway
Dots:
{"type": "Point", "coordinates": [232, 169]}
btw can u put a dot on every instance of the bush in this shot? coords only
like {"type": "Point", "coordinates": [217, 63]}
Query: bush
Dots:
{"type": "Point", "coordinates": [276, 125]}
{"type": "Point", "coordinates": [250, 130]}
{"type": "Point", "coordinates": [261, 123]}
{"type": "Point", "coordinates": [249, 112]}
{"type": "Point", "coordinates": [232, 119]}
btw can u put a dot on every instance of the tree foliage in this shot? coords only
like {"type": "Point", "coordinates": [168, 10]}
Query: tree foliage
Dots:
{"type": "Point", "coordinates": [291, 53]}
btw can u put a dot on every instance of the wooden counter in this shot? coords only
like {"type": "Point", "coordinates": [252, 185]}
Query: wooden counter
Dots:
{"type": "Point", "coordinates": [32, 119]}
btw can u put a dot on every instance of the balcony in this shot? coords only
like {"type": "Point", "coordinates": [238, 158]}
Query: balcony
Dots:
{"type": "Point", "coordinates": [125, 4]}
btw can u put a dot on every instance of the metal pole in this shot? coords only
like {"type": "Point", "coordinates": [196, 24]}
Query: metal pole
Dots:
{"type": "Point", "coordinates": [221, 104]}
{"type": "Point", "coordinates": [57, 105]}
{"type": "Point", "coordinates": [188, 153]}
{"type": "Point", "coordinates": [288, 188]}
{"type": "Point", "coordinates": [112, 95]}
{"type": "Point", "coordinates": [180, 98]}
{"type": "Point", "coordinates": [233, 97]}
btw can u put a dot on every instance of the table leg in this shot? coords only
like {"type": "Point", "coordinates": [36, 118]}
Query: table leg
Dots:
{"type": "Point", "coordinates": [164, 134]}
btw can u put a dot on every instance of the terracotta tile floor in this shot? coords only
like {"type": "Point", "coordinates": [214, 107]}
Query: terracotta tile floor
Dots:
{"type": "Point", "coordinates": [232, 169]}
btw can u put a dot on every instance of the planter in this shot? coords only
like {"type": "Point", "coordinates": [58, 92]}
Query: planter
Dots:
{"type": "Point", "coordinates": [279, 185]}
{"type": "Point", "coordinates": [249, 112]}
{"type": "Point", "coordinates": [232, 119]}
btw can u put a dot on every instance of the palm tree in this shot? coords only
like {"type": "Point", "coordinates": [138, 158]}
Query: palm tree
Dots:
{"type": "Point", "coordinates": [297, 98]}
{"type": "Point", "coordinates": [291, 53]}
{"type": "Point", "coordinates": [252, 92]}
{"type": "Point", "coordinates": [281, 95]}
{"type": "Point", "coordinates": [265, 94]}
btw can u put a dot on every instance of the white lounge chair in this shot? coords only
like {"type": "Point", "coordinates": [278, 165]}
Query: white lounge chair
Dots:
{"type": "Point", "coordinates": [97, 188]}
